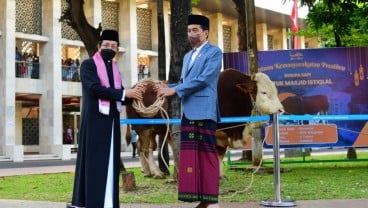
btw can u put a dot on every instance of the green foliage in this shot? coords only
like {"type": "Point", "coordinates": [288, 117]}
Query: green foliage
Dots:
{"type": "Point", "coordinates": [195, 2]}
{"type": "Point", "coordinates": [338, 23]}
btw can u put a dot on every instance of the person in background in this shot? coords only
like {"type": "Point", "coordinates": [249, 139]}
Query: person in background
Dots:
{"type": "Point", "coordinates": [69, 135]}
{"type": "Point", "coordinates": [134, 142]}
{"type": "Point", "coordinates": [197, 89]}
{"type": "Point", "coordinates": [18, 62]}
{"type": "Point", "coordinates": [96, 182]}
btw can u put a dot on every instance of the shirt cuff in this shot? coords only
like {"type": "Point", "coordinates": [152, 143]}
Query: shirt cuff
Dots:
{"type": "Point", "coordinates": [123, 97]}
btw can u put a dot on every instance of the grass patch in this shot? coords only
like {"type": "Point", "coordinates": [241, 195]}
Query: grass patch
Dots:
{"type": "Point", "coordinates": [304, 181]}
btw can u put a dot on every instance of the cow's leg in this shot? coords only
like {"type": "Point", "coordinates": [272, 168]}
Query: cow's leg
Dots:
{"type": "Point", "coordinates": [144, 150]}
{"type": "Point", "coordinates": [221, 165]}
{"type": "Point", "coordinates": [144, 165]}
{"type": "Point", "coordinates": [157, 173]}
{"type": "Point", "coordinates": [222, 143]}
{"type": "Point", "coordinates": [154, 170]}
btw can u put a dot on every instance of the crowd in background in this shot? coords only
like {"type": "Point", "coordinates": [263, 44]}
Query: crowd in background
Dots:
{"type": "Point", "coordinates": [70, 69]}
{"type": "Point", "coordinates": [26, 65]}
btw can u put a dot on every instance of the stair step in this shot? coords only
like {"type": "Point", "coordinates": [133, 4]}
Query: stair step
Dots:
{"type": "Point", "coordinates": [5, 159]}
{"type": "Point", "coordinates": [41, 157]}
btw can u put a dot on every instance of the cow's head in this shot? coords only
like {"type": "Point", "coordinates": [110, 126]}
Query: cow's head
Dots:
{"type": "Point", "coordinates": [265, 93]}
{"type": "Point", "coordinates": [266, 101]}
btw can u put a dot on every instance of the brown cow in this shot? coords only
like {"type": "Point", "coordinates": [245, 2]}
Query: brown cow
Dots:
{"type": "Point", "coordinates": [301, 105]}
{"type": "Point", "coordinates": [239, 95]}
{"type": "Point", "coordinates": [146, 143]}
{"type": "Point", "coordinates": [236, 93]}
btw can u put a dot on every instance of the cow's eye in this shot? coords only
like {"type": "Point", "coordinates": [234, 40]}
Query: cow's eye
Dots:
{"type": "Point", "coordinates": [264, 92]}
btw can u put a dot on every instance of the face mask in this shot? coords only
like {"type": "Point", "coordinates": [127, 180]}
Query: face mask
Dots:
{"type": "Point", "coordinates": [107, 54]}
{"type": "Point", "coordinates": [194, 39]}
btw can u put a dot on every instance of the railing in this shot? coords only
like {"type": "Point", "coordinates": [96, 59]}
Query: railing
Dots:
{"type": "Point", "coordinates": [24, 69]}
{"type": "Point", "coordinates": [70, 73]}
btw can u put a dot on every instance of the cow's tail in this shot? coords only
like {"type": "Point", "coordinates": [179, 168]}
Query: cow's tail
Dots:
{"type": "Point", "coordinates": [128, 135]}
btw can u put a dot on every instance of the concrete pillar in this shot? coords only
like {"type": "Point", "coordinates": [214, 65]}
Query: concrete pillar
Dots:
{"type": "Point", "coordinates": [8, 145]}
{"type": "Point", "coordinates": [302, 42]}
{"type": "Point", "coordinates": [18, 123]}
{"type": "Point", "coordinates": [262, 41]}
{"type": "Point", "coordinates": [51, 141]}
{"type": "Point", "coordinates": [215, 36]}
{"type": "Point", "coordinates": [128, 31]}
{"type": "Point", "coordinates": [154, 59]}
{"type": "Point", "coordinates": [92, 10]}
{"type": "Point", "coordinates": [167, 39]}
{"type": "Point", "coordinates": [128, 61]}
{"type": "Point", "coordinates": [153, 66]}
{"type": "Point", "coordinates": [234, 36]}
{"type": "Point", "coordinates": [154, 32]}
{"type": "Point", "coordinates": [284, 34]}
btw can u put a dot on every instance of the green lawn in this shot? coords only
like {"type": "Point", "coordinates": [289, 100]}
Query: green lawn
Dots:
{"type": "Point", "coordinates": [302, 181]}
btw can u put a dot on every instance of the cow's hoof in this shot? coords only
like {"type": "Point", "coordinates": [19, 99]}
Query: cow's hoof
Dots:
{"type": "Point", "coordinates": [159, 176]}
{"type": "Point", "coordinates": [171, 180]}
{"type": "Point", "coordinates": [223, 177]}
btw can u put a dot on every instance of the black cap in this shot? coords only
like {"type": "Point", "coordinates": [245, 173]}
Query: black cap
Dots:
{"type": "Point", "coordinates": [110, 35]}
{"type": "Point", "coordinates": [194, 19]}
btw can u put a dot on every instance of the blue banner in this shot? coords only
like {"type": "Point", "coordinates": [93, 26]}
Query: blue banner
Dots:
{"type": "Point", "coordinates": [332, 81]}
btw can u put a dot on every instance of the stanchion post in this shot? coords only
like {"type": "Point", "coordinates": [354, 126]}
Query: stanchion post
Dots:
{"type": "Point", "coordinates": [276, 164]}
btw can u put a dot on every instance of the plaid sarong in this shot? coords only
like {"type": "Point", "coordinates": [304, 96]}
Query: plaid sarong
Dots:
{"type": "Point", "coordinates": [198, 163]}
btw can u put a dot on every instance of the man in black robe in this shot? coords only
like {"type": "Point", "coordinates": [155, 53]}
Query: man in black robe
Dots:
{"type": "Point", "coordinates": [96, 182]}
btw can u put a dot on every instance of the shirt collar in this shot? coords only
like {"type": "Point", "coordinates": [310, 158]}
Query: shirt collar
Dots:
{"type": "Point", "coordinates": [200, 47]}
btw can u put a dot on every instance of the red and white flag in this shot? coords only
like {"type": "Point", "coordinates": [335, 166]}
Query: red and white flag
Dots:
{"type": "Point", "coordinates": [294, 19]}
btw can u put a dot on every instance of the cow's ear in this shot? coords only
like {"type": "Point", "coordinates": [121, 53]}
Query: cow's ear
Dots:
{"type": "Point", "coordinates": [249, 87]}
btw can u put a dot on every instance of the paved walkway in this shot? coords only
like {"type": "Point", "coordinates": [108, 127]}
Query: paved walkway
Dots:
{"type": "Point", "coordinates": [38, 167]}
{"type": "Point", "coordinates": [358, 203]}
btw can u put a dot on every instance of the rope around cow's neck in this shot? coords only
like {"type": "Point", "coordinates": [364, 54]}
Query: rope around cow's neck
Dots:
{"type": "Point", "coordinates": [152, 110]}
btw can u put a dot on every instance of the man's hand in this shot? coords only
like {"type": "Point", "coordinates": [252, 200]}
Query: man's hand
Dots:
{"type": "Point", "coordinates": [164, 91]}
{"type": "Point", "coordinates": [136, 92]}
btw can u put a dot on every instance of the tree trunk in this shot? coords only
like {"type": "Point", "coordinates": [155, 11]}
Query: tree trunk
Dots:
{"type": "Point", "coordinates": [129, 181]}
{"type": "Point", "coordinates": [242, 28]}
{"type": "Point", "coordinates": [161, 41]}
{"type": "Point", "coordinates": [351, 154]}
{"type": "Point", "coordinates": [242, 46]}
{"type": "Point", "coordinates": [251, 37]}
{"type": "Point", "coordinates": [180, 11]}
{"type": "Point", "coordinates": [248, 42]}
{"type": "Point", "coordinates": [74, 16]}
{"type": "Point", "coordinates": [162, 76]}
{"type": "Point", "coordinates": [337, 39]}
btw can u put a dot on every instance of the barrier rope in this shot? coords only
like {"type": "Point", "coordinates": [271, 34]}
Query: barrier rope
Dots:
{"type": "Point", "coordinates": [251, 179]}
